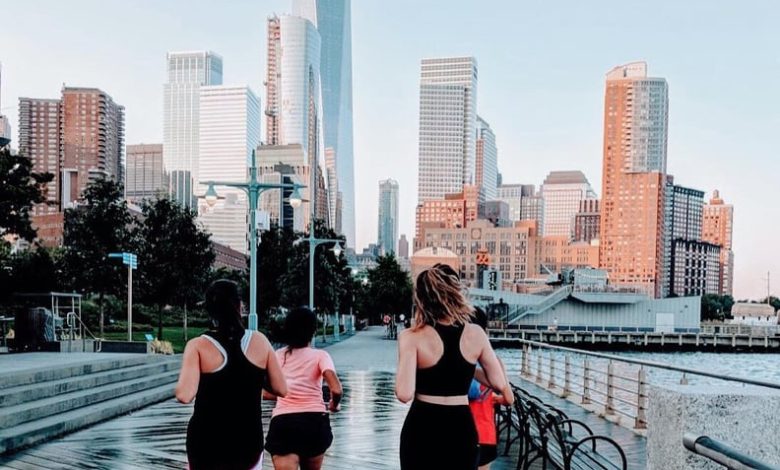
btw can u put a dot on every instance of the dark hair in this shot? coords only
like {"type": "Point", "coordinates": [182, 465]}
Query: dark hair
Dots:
{"type": "Point", "coordinates": [480, 318]}
{"type": "Point", "coordinates": [223, 304]}
{"type": "Point", "coordinates": [438, 295]}
{"type": "Point", "coordinates": [299, 328]}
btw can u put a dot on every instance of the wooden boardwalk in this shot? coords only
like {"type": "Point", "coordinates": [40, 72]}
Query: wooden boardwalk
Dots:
{"type": "Point", "coordinates": [367, 430]}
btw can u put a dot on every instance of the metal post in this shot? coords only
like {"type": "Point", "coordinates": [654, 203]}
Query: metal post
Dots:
{"type": "Point", "coordinates": [640, 422]}
{"type": "Point", "coordinates": [523, 357]}
{"type": "Point", "coordinates": [566, 376]}
{"type": "Point", "coordinates": [585, 380]}
{"type": "Point", "coordinates": [253, 193]}
{"type": "Point", "coordinates": [609, 408]}
{"type": "Point", "coordinates": [129, 302]}
{"type": "Point", "coordinates": [539, 368]}
{"type": "Point", "coordinates": [551, 381]}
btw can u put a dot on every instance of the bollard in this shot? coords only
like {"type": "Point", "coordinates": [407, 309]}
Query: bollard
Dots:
{"type": "Point", "coordinates": [640, 422]}
{"type": "Point", "coordinates": [551, 382]}
{"type": "Point", "coordinates": [609, 407]}
{"type": "Point", "coordinates": [566, 376]}
{"type": "Point", "coordinates": [585, 379]}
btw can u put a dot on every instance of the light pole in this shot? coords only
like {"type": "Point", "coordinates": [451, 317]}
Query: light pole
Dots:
{"type": "Point", "coordinates": [131, 260]}
{"type": "Point", "coordinates": [253, 188]}
{"type": "Point", "coordinates": [313, 243]}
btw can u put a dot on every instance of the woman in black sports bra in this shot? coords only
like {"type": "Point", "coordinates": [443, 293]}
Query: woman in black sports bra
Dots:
{"type": "Point", "coordinates": [436, 362]}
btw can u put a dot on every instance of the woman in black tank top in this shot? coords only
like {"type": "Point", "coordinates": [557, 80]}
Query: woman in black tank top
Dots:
{"type": "Point", "coordinates": [226, 429]}
{"type": "Point", "coordinates": [439, 431]}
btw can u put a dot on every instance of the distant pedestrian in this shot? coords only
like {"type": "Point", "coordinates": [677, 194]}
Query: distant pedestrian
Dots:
{"type": "Point", "coordinates": [483, 401]}
{"type": "Point", "coordinates": [299, 433]}
{"type": "Point", "coordinates": [224, 371]}
{"type": "Point", "coordinates": [437, 358]}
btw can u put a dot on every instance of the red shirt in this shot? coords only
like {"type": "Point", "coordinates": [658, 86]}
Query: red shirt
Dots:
{"type": "Point", "coordinates": [484, 413]}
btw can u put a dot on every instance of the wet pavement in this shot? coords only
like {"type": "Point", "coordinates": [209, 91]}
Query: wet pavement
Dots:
{"type": "Point", "coordinates": [366, 431]}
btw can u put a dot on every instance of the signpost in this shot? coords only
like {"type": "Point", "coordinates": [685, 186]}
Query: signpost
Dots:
{"type": "Point", "coordinates": [131, 261]}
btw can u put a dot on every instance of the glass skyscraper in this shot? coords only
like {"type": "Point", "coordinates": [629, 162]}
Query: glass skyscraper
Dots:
{"type": "Point", "coordinates": [187, 72]}
{"type": "Point", "coordinates": [332, 19]}
{"type": "Point", "coordinates": [387, 230]}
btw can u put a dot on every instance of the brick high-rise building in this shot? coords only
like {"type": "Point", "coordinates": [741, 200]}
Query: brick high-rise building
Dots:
{"type": "Point", "coordinates": [145, 173]}
{"type": "Point", "coordinates": [634, 176]}
{"type": "Point", "coordinates": [717, 228]}
{"type": "Point", "coordinates": [39, 140]}
{"type": "Point", "coordinates": [454, 211]}
{"type": "Point", "coordinates": [587, 221]}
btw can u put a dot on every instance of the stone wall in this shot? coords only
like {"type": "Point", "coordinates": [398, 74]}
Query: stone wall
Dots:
{"type": "Point", "coordinates": [744, 418]}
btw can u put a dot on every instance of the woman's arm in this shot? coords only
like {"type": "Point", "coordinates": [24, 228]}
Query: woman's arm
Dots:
{"type": "Point", "coordinates": [189, 376]}
{"type": "Point", "coordinates": [276, 383]}
{"type": "Point", "coordinates": [494, 370]}
{"type": "Point", "coordinates": [407, 366]}
{"type": "Point", "coordinates": [336, 392]}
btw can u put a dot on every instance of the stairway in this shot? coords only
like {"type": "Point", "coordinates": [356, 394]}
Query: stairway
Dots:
{"type": "Point", "coordinates": [39, 404]}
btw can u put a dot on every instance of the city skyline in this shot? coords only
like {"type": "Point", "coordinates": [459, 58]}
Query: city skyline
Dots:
{"type": "Point", "coordinates": [543, 100]}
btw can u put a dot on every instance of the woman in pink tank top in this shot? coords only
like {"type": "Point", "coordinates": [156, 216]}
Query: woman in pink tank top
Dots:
{"type": "Point", "coordinates": [299, 432]}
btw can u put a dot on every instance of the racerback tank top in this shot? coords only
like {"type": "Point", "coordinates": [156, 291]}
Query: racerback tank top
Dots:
{"type": "Point", "coordinates": [452, 374]}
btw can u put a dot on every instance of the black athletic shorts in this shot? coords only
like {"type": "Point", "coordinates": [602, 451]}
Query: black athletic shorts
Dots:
{"type": "Point", "coordinates": [304, 434]}
{"type": "Point", "coordinates": [487, 454]}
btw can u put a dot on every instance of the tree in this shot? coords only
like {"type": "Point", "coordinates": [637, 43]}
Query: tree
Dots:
{"type": "Point", "coordinates": [20, 189]}
{"type": "Point", "coordinates": [389, 288]}
{"type": "Point", "coordinates": [716, 307]}
{"type": "Point", "coordinates": [99, 226]}
{"type": "Point", "coordinates": [175, 256]}
{"type": "Point", "coordinates": [274, 251]}
{"type": "Point", "coordinates": [34, 270]}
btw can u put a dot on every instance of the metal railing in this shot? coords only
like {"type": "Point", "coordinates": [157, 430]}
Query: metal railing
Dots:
{"type": "Point", "coordinates": [739, 329]}
{"type": "Point", "coordinates": [616, 384]}
{"type": "Point", "coordinates": [723, 454]}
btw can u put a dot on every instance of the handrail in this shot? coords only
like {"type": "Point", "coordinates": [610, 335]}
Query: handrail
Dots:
{"type": "Point", "coordinates": [659, 365]}
{"type": "Point", "coordinates": [723, 454]}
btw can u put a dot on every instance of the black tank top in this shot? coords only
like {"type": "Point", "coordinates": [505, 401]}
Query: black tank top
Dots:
{"type": "Point", "coordinates": [452, 375]}
{"type": "Point", "coordinates": [226, 428]}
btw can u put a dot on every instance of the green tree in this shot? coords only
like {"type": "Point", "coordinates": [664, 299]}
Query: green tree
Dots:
{"type": "Point", "coordinates": [389, 289]}
{"type": "Point", "coordinates": [20, 189]}
{"type": "Point", "coordinates": [274, 250]}
{"type": "Point", "coordinates": [99, 226]}
{"type": "Point", "coordinates": [34, 270]}
{"type": "Point", "coordinates": [175, 256]}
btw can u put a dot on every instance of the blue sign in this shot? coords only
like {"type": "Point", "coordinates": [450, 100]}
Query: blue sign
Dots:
{"type": "Point", "coordinates": [129, 259]}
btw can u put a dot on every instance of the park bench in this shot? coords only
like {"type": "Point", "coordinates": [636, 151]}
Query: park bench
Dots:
{"type": "Point", "coordinates": [548, 435]}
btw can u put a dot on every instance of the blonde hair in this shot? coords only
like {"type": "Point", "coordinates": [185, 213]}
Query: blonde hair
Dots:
{"type": "Point", "coordinates": [439, 297]}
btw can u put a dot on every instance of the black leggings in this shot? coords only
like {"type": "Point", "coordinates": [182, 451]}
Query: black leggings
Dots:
{"type": "Point", "coordinates": [439, 437]}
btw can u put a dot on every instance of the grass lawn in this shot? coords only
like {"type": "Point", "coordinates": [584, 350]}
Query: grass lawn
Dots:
{"type": "Point", "coordinates": [174, 334]}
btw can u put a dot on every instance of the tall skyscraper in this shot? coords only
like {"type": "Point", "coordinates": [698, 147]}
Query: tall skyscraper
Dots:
{"type": "Point", "coordinates": [532, 208]}
{"type": "Point", "coordinates": [145, 176]}
{"type": "Point", "coordinates": [273, 75]}
{"type": "Point", "coordinates": [562, 192]}
{"type": "Point", "coordinates": [187, 72]}
{"type": "Point", "coordinates": [403, 247]}
{"type": "Point", "coordinates": [717, 228]}
{"type": "Point", "coordinates": [39, 140]}
{"type": "Point", "coordinates": [487, 161]}
{"type": "Point", "coordinates": [448, 126]}
{"type": "Point", "coordinates": [387, 230]}
{"type": "Point", "coordinates": [92, 130]}
{"type": "Point", "coordinates": [229, 131]}
{"type": "Point", "coordinates": [332, 18]}
{"type": "Point", "coordinates": [632, 206]}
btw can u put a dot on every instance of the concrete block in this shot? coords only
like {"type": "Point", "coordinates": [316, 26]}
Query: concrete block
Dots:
{"type": "Point", "coordinates": [744, 418]}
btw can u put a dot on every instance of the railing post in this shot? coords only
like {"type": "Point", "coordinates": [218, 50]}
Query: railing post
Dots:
{"type": "Point", "coordinates": [539, 367]}
{"type": "Point", "coordinates": [527, 359]}
{"type": "Point", "coordinates": [551, 382]}
{"type": "Point", "coordinates": [640, 422]}
{"type": "Point", "coordinates": [684, 379]}
{"type": "Point", "coordinates": [585, 379]}
{"type": "Point", "coordinates": [566, 376]}
{"type": "Point", "coordinates": [609, 407]}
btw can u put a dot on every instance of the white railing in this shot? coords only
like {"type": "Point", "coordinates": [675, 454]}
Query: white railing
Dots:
{"type": "Point", "coordinates": [617, 385]}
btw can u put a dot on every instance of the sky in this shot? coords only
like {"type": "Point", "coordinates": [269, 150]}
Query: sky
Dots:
{"type": "Point", "coordinates": [542, 68]}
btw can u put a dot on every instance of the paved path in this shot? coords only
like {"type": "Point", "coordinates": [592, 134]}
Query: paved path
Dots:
{"type": "Point", "coordinates": [367, 430]}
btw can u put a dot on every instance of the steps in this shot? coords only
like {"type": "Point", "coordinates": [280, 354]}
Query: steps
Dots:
{"type": "Point", "coordinates": [39, 404]}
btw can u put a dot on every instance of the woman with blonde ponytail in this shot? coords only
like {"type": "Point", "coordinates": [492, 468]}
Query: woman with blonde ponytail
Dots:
{"type": "Point", "coordinates": [436, 362]}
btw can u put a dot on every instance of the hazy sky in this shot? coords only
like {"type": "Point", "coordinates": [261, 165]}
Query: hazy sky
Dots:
{"type": "Point", "coordinates": [541, 84]}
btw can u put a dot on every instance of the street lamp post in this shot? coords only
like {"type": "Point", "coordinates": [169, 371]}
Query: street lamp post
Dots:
{"type": "Point", "coordinates": [131, 260]}
{"type": "Point", "coordinates": [313, 243]}
{"type": "Point", "coordinates": [253, 188]}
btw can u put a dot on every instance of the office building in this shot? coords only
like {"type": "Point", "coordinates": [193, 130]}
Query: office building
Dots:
{"type": "Point", "coordinates": [274, 162]}
{"type": "Point", "coordinates": [717, 228]}
{"type": "Point", "coordinates": [634, 176]}
{"type": "Point", "coordinates": [334, 195]}
{"type": "Point", "coordinates": [562, 192]}
{"type": "Point", "coordinates": [5, 123]}
{"type": "Point", "coordinates": [497, 212]}
{"type": "Point", "coordinates": [486, 161]}
{"type": "Point", "coordinates": [558, 252]}
{"type": "Point", "coordinates": [333, 21]}
{"type": "Point", "coordinates": [387, 229]}
{"type": "Point", "coordinates": [229, 131]}
{"type": "Point", "coordinates": [448, 123]}
{"type": "Point", "coordinates": [695, 268]}
{"type": "Point", "coordinates": [187, 72]}
{"type": "Point", "coordinates": [453, 211]}
{"type": "Point", "coordinates": [273, 74]}
{"type": "Point", "coordinates": [532, 208]}
{"type": "Point", "coordinates": [145, 173]}
{"type": "Point", "coordinates": [587, 221]}
{"type": "Point", "coordinates": [403, 247]}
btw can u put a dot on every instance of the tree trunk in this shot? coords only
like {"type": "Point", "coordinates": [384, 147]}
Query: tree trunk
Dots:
{"type": "Point", "coordinates": [159, 323]}
{"type": "Point", "coordinates": [101, 313]}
